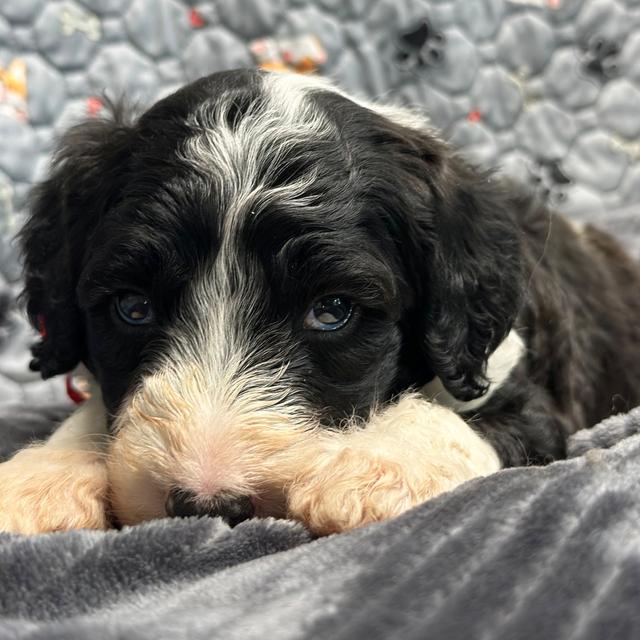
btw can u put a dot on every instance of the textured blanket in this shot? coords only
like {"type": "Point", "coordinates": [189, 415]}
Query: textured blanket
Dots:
{"type": "Point", "coordinates": [548, 552]}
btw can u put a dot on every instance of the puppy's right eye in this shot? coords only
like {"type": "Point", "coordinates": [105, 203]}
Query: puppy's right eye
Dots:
{"type": "Point", "coordinates": [134, 308]}
{"type": "Point", "coordinates": [328, 314]}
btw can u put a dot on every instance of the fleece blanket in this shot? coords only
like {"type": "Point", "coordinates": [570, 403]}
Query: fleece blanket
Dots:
{"type": "Point", "coordinates": [550, 552]}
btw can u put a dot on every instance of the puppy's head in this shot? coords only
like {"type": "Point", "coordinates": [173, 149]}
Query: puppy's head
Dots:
{"type": "Point", "coordinates": [256, 255]}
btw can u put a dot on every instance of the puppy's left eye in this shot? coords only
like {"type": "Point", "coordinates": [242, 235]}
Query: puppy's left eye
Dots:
{"type": "Point", "coordinates": [328, 314]}
{"type": "Point", "coordinates": [134, 308]}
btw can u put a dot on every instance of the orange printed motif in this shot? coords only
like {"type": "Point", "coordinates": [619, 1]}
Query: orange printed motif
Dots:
{"type": "Point", "coordinates": [13, 90]}
{"type": "Point", "coordinates": [304, 54]}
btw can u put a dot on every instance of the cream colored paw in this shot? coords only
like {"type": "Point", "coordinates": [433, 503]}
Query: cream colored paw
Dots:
{"type": "Point", "coordinates": [53, 490]}
{"type": "Point", "coordinates": [352, 488]}
{"type": "Point", "coordinates": [405, 455]}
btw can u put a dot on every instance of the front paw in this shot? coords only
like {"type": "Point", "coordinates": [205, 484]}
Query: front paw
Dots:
{"type": "Point", "coordinates": [53, 490]}
{"type": "Point", "coordinates": [406, 454]}
{"type": "Point", "coordinates": [350, 488]}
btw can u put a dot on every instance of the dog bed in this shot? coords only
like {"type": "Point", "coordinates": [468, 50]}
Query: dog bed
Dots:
{"type": "Point", "coordinates": [549, 90]}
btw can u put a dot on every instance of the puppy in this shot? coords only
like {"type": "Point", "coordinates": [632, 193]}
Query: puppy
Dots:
{"type": "Point", "coordinates": [295, 303]}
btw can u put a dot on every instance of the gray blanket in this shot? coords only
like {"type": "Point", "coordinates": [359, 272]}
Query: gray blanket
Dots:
{"type": "Point", "coordinates": [548, 552]}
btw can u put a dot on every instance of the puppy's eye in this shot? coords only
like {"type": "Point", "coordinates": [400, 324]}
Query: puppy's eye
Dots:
{"type": "Point", "coordinates": [134, 308]}
{"type": "Point", "coordinates": [328, 314]}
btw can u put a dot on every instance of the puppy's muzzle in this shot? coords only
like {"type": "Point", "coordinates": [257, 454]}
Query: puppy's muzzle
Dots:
{"type": "Point", "coordinates": [233, 510]}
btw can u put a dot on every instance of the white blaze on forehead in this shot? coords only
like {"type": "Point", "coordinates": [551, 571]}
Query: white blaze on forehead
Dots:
{"type": "Point", "coordinates": [241, 154]}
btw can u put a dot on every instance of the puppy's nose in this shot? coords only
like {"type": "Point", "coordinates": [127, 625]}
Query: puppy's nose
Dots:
{"type": "Point", "coordinates": [182, 504]}
{"type": "Point", "coordinates": [234, 511]}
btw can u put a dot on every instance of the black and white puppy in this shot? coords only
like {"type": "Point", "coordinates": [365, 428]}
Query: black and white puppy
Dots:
{"type": "Point", "coordinates": [297, 303]}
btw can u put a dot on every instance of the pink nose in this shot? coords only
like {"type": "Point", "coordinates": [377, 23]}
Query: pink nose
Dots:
{"type": "Point", "coordinates": [233, 510]}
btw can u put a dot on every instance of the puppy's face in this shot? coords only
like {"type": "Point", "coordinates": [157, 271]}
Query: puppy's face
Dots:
{"type": "Point", "coordinates": [259, 256]}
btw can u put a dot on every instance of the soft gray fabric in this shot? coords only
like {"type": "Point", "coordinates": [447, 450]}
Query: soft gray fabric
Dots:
{"type": "Point", "coordinates": [21, 424]}
{"type": "Point", "coordinates": [534, 553]}
{"type": "Point", "coordinates": [606, 434]}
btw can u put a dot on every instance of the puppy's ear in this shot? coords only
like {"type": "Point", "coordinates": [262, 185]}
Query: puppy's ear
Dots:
{"type": "Point", "coordinates": [474, 281]}
{"type": "Point", "coordinates": [459, 241]}
{"type": "Point", "coordinates": [64, 209]}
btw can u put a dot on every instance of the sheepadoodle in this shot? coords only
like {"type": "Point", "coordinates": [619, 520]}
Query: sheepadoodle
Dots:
{"type": "Point", "coordinates": [296, 303]}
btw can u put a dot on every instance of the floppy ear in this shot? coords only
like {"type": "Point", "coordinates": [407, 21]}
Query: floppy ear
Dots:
{"type": "Point", "coordinates": [64, 209]}
{"type": "Point", "coordinates": [474, 277]}
{"type": "Point", "coordinates": [458, 240]}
